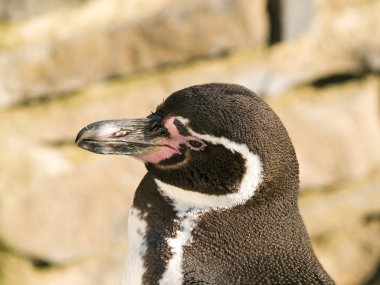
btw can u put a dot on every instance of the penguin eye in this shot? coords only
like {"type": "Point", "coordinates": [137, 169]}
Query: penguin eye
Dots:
{"type": "Point", "coordinates": [196, 144]}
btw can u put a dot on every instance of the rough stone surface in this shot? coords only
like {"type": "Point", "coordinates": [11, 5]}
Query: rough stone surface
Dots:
{"type": "Point", "coordinates": [200, 28]}
{"type": "Point", "coordinates": [183, 31]}
{"type": "Point", "coordinates": [337, 45]}
{"type": "Point", "coordinates": [93, 16]}
{"type": "Point", "coordinates": [344, 225]}
{"type": "Point", "coordinates": [101, 269]}
{"type": "Point", "coordinates": [18, 9]}
{"type": "Point", "coordinates": [335, 130]}
{"type": "Point", "coordinates": [296, 18]}
{"type": "Point", "coordinates": [67, 217]}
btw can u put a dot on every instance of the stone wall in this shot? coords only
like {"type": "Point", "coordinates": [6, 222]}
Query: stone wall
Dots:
{"type": "Point", "coordinates": [63, 211]}
{"type": "Point", "coordinates": [13, 10]}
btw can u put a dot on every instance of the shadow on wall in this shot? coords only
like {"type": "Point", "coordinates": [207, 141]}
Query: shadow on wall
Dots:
{"type": "Point", "coordinates": [375, 279]}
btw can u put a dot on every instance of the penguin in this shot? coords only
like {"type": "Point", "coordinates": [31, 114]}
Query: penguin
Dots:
{"type": "Point", "coordinates": [219, 202]}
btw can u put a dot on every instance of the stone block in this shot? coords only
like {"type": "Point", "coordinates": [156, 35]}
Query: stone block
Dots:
{"type": "Point", "coordinates": [182, 31]}
{"type": "Point", "coordinates": [104, 268]}
{"type": "Point", "coordinates": [344, 226]}
{"type": "Point", "coordinates": [20, 9]}
{"type": "Point", "coordinates": [338, 45]}
{"type": "Point", "coordinates": [297, 16]}
{"type": "Point", "coordinates": [335, 130]}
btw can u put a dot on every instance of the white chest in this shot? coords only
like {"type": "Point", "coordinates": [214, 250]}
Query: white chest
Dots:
{"type": "Point", "coordinates": [134, 266]}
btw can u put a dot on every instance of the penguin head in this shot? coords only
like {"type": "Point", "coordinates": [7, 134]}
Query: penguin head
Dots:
{"type": "Point", "coordinates": [205, 138]}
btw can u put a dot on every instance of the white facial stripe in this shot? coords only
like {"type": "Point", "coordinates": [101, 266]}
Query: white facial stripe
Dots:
{"type": "Point", "coordinates": [184, 199]}
{"type": "Point", "coordinates": [134, 265]}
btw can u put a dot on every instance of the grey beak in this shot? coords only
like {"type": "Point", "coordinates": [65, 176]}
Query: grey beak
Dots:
{"type": "Point", "coordinates": [126, 136]}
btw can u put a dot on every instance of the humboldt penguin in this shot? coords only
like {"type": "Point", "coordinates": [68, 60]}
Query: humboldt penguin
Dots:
{"type": "Point", "coordinates": [218, 204]}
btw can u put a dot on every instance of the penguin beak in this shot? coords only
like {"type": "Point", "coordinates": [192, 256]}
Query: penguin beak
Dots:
{"type": "Point", "coordinates": [136, 137]}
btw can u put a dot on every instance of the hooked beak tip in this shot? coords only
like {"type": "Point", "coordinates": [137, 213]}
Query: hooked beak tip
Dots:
{"type": "Point", "coordinates": [100, 131]}
{"type": "Point", "coordinates": [79, 136]}
{"type": "Point", "coordinates": [112, 136]}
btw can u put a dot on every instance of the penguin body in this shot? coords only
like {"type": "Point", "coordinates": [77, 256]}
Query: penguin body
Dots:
{"type": "Point", "coordinates": [219, 202]}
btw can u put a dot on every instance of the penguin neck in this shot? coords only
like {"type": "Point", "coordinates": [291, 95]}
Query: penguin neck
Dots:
{"type": "Point", "coordinates": [161, 227]}
{"type": "Point", "coordinates": [164, 216]}
{"type": "Point", "coordinates": [190, 207]}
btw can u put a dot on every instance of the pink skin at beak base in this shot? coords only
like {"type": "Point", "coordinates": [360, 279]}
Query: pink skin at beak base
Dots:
{"type": "Point", "coordinates": [169, 145]}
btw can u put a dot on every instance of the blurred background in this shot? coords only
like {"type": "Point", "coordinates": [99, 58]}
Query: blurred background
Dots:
{"type": "Point", "coordinates": [64, 64]}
